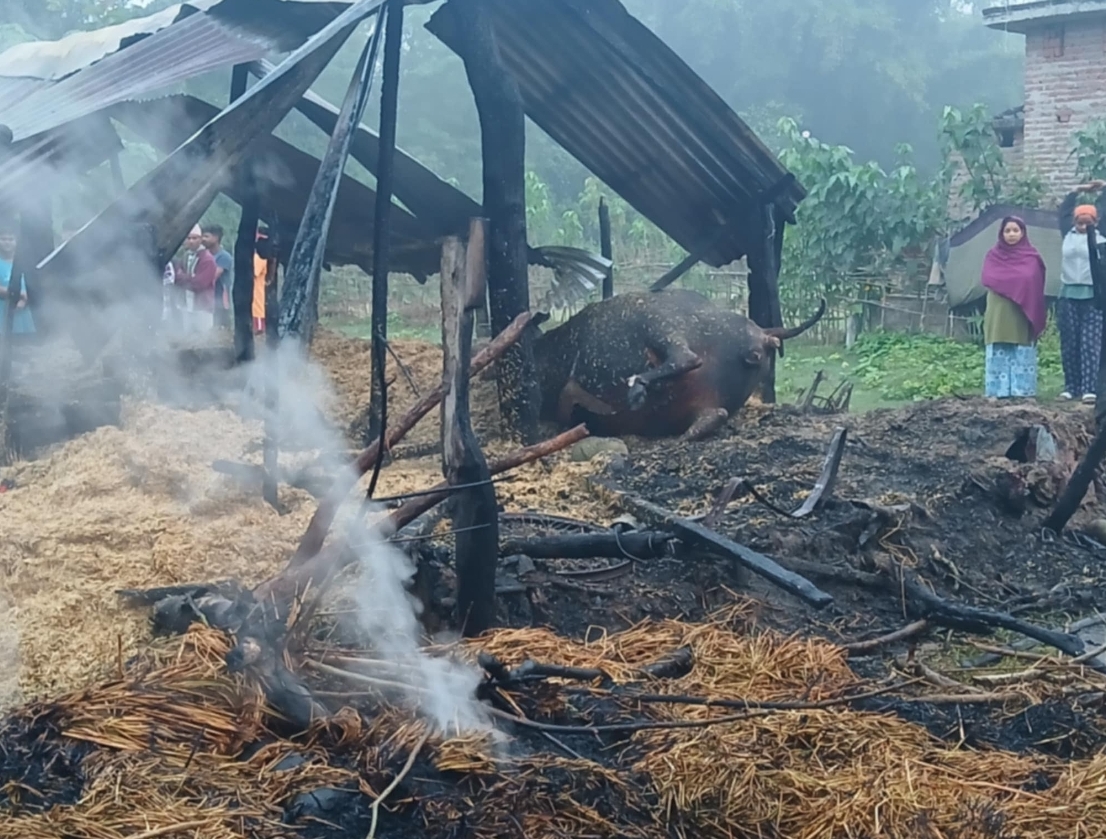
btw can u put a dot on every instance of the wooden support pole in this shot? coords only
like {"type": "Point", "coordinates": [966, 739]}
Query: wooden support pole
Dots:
{"type": "Point", "coordinates": [385, 175]}
{"type": "Point", "coordinates": [503, 144]}
{"type": "Point", "coordinates": [764, 290]}
{"type": "Point", "coordinates": [476, 516]}
{"type": "Point", "coordinates": [245, 243]}
{"type": "Point", "coordinates": [312, 540]}
{"type": "Point", "coordinates": [311, 574]}
{"type": "Point", "coordinates": [605, 247]}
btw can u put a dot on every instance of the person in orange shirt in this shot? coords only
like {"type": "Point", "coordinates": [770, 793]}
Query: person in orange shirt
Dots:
{"type": "Point", "coordinates": [260, 274]}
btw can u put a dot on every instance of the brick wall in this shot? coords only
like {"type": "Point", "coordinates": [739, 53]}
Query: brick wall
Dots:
{"type": "Point", "coordinates": [1065, 89]}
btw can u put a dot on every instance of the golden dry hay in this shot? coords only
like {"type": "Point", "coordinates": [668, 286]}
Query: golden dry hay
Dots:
{"type": "Point", "coordinates": [140, 506]}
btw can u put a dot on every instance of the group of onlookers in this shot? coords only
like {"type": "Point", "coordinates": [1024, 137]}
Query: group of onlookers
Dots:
{"type": "Point", "coordinates": [197, 286]}
{"type": "Point", "coordinates": [1016, 313]}
{"type": "Point", "coordinates": [198, 294]}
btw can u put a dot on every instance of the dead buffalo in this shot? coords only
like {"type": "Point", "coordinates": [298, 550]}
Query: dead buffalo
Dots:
{"type": "Point", "coordinates": [654, 364]}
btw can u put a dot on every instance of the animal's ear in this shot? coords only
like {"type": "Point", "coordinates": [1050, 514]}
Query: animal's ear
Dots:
{"type": "Point", "coordinates": [754, 357]}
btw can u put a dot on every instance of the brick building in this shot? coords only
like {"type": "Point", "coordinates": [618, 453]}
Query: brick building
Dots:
{"type": "Point", "coordinates": [1065, 82]}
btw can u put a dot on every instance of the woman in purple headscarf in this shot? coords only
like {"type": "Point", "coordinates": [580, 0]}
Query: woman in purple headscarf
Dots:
{"type": "Point", "coordinates": [1014, 276]}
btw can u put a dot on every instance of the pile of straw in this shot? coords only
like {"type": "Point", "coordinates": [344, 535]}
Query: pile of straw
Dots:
{"type": "Point", "coordinates": [171, 732]}
{"type": "Point", "coordinates": [140, 506]}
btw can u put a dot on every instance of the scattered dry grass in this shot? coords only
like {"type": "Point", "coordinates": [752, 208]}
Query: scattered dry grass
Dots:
{"type": "Point", "coordinates": [140, 506]}
{"type": "Point", "coordinates": [802, 774]}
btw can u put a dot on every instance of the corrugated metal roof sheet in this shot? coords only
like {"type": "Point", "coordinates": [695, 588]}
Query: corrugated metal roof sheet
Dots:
{"type": "Point", "coordinates": [54, 60]}
{"type": "Point", "coordinates": [627, 107]}
{"type": "Point", "coordinates": [88, 71]}
{"type": "Point", "coordinates": [286, 175]}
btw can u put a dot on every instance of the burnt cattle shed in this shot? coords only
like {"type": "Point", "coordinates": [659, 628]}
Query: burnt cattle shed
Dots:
{"type": "Point", "coordinates": [59, 98]}
{"type": "Point", "coordinates": [618, 99]}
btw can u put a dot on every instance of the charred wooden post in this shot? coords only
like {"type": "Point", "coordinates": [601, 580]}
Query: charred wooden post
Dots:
{"type": "Point", "coordinates": [503, 144]}
{"type": "Point", "coordinates": [764, 290]}
{"type": "Point", "coordinates": [605, 247]}
{"type": "Point", "coordinates": [312, 573]}
{"type": "Point", "coordinates": [312, 540]}
{"type": "Point", "coordinates": [476, 516]}
{"type": "Point", "coordinates": [1098, 280]}
{"type": "Point", "coordinates": [483, 318]}
{"type": "Point", "coordinates": [245, 244]}
{"type": "Point", "coordinates": [385, 172]}
{"type": "Point", "coordinates": [299, 306]}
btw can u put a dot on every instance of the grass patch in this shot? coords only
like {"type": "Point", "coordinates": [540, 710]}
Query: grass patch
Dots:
{"type": "Point", "coordinates": [889, 368]}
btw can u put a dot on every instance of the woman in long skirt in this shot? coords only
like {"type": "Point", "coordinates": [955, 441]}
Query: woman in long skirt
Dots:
{"type": "Point", "coordinates": [1077, 312]}
{"type": "Point", "coordinates": [1014, 276]}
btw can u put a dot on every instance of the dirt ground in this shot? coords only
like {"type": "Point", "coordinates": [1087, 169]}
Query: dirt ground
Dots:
{"type": "Point", "coordinates": [140, 506]}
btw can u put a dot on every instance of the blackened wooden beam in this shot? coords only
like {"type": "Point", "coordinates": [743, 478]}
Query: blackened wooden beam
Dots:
{"type": "Point", "coordinates": [764, 290]}
{"type": "Point", "coordinates": [605, 246]}
{"type": "Point", "coordinates": [503, 145]}
{"type": "Point", "coordinates": [385, 177]}
{"type": "Point", "coordinates": [299, 304]}
{"type": "Point", "coordinates": [707, 540]}
{"type": "Point", "coordinates": [476, 514]}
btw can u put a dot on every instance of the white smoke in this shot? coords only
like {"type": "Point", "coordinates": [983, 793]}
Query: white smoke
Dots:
{"type": "Point", "coordinates": [387, 614]}
{"type": "Point", "coordinates": [443, 689]}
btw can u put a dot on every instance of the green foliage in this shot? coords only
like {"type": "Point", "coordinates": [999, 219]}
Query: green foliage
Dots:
{"type": "Point", "coordinates": [1026, 189]}
{"type": "Point", "coordinates": [968, 138]}
{"type": "Point", "coordinates": [1090, 151]}
{"type": "Point", "coordinates": [856, 218]}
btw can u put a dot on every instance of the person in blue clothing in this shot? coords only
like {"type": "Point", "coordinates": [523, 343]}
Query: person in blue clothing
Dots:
{"type": "Point", "coordinates": [224, 274]}
{"type": "Point", "coordinates": [23, 323]}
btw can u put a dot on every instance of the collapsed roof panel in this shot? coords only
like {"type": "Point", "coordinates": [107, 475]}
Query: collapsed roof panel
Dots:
{"type": "Point", "coordinates": [610, 92]}
{"type": "Point", "coordinates": [47, 84]}
{"type": "Point", "coordinates": [441, 208]}
{"type": "Point", "coordinates": [285, 175]}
